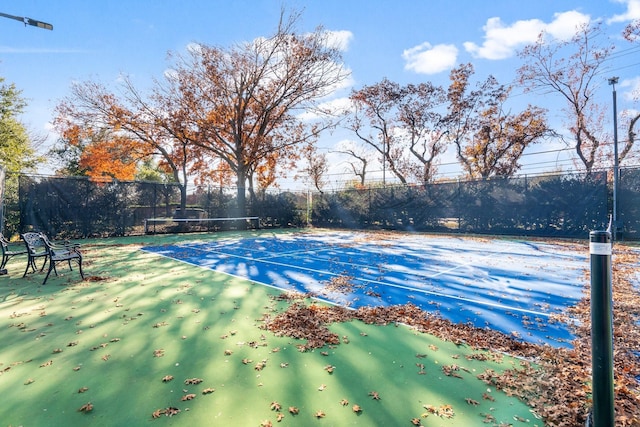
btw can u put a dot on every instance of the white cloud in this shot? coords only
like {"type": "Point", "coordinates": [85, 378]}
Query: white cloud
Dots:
{"type": "Point", "coordinates": [633, 11]}
{"type": "Point", "coordinates": [502, 41]}
{"type": "Point", "coordinates": [630, 113]}
{"type": "Point", "coordinates": [566, 24]}
{"type": "Point", "coordinates": [428, 59]}
{"type": "Point", "coordinates": [337, 106]}
{"type": "Point", "coordinates": [347, 145]}
{"type": "Point", "coordinates": [339, 39]}
{"type": "Point", "coordinates": [632, 86]}
{"type": "Point", "coordinates": [194, 48]}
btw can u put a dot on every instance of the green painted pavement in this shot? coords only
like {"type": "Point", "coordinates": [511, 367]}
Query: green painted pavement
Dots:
{"type": "Point", "coordinates": [203, 324]}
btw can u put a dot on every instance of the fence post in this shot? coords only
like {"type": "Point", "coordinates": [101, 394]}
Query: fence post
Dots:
{"type": "Point", "coordinates": [602, 414]}
{"type": "Point", "coordinates": [309, 206]}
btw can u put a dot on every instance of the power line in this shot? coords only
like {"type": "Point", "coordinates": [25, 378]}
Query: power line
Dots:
{"type": "Point", "coordinates": [526, 168]}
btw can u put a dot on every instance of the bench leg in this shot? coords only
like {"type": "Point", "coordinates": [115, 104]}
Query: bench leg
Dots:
{"type": "Point", "coordinates": [51, 267]}
{"type": "Point", "coordinates": [30, 263]}
{"type": "Point", "coordinates": [80, 267]}
{"type": "Point", "coordinates": [46, 258]}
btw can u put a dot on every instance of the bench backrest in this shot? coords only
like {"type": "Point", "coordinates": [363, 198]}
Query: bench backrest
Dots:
{"type": "Point", "coordinates": [34, 242]}
{"type": "Point", "coordinates": [5, 243]}
{"type": "Point", "coordinates": [48, 246]}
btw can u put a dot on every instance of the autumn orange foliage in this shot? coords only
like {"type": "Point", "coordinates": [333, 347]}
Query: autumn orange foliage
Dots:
{"type": "Point", "coordinates": [108, 160]}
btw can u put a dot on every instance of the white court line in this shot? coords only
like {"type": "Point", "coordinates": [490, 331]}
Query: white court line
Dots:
{"type": "Point", "coordinates": [408, 288]}
{"type": "Point", "coordinates": [214, 249]}
{"type": "Point", "coordinates": [415, 273]}
{"type": "Point", "coordinates": [306, 252]}
{"type": "Point", "coordinates": [291, 253]}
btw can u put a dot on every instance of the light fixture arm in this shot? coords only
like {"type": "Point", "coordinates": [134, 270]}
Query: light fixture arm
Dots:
{"type": "Point", "coordinates": [28, 21]}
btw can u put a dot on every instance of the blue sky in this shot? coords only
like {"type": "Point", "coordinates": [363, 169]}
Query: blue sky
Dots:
{"type": "Point", "coordinates": [407, 41]}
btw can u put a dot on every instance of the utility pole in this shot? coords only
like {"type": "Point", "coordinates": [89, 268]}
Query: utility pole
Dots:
{"type": "Point", "coordinates": [384, 163]}
{"type": "Point", "coordinates": [612, 82]}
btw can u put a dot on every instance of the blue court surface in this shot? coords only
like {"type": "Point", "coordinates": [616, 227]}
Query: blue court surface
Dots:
{"type": "Point", "coordinates": [520, 288]}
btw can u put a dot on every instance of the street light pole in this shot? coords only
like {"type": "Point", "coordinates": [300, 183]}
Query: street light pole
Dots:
{"type": "Point", "coordinates": [612, 82]}
{"type": "Point", "coordinates": [28, 21]}
{"type": "Point", "coordinates": [384, 163]}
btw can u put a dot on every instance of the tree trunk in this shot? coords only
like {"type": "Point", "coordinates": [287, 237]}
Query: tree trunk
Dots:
{"type": "Point", "coordinates": [182, 185]}
{"type": "Point", "coordinates": [241, 205]}
{"type": "Point", "coordinates": [183, 201]}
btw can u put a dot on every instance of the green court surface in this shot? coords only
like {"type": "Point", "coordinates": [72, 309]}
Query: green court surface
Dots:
{"type": "Point", "coordinates": [111, 339]}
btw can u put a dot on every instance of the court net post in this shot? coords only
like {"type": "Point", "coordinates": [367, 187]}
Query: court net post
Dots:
{"type": "Point", "coordinates": [602, 412]}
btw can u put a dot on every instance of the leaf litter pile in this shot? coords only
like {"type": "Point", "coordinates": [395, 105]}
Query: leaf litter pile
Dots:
{"type": "Point", "coordinates": [554, 382]}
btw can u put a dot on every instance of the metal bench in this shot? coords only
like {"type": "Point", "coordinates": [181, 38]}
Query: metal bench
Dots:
{"type": "Point", "coordinates": [65, 253]}
{"type": "Point", "coordinates": [39, 246]}
{"type": "Point", "coordinates": [8, 253]}
{"type": "Point", "coordinates": [35, 249]}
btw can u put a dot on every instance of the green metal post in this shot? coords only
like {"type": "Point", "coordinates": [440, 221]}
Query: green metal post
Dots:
{"type": "Point", "coordinates": [601, 329]}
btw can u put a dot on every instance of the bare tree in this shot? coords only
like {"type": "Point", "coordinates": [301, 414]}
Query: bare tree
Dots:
{"type": "Point", "coordinates": [425, 128]}
{"type": "Point", "coordinates": [632, 34]}
{"type": "Point", "coordinates": [572, 70]}
{"type": "Point", "coordinates": [403, 125]}
{"type": "Point", "coordinates": [373, 123]}
{"type": "Point", "coordinates": [359, 165]}
{"type": "Point", "coordinates": [316, 167]}
{"type": "Point", "coordinates": [489, 140]}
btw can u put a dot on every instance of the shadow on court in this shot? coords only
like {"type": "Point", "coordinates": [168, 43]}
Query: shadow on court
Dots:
{"type": "Point", "coordinates": [516, 287]}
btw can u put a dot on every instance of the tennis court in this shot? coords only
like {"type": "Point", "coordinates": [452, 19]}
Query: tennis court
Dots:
{"type": "Point", "coordinates": [520, 288]}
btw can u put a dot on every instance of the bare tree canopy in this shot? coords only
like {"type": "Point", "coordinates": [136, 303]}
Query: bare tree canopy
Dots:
{"type": "Point", "coordinates": [572, 70]}
{"type": "Point", "coordinates": [358, 163]}
{"type": "Point", "coordinates": [632, 34]}
{"type": "Point", "coordinates": [403, 125]}
{"type": "Point", "coordinates": [489, 141]}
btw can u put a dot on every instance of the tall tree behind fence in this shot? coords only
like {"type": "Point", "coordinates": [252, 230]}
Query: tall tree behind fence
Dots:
{"type": "Point", "coordinates": [563, 205]}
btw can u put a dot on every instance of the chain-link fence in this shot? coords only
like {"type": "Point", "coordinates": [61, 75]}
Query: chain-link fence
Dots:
{"type": "Point", "coordinates": [559, 205]}
{"type": "Point", "coordinates": [72, 207]}
{"type": "Point", "coordinates": [563, 205]}
{"type": "Point", "coordinates": [2, 186]}
{"type": "Point", "coordinates": [77, 207]}
{"type": "Point", "coordinates": [629, 203]}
